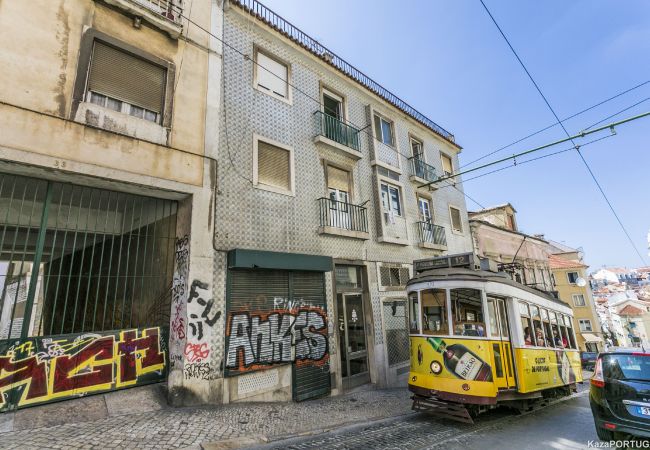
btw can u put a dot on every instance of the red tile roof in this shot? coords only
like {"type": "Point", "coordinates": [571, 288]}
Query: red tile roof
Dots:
{"type": "Point", "coordinates": [630, 310]}
{"type": "Point", "coordinates": [556, 262]}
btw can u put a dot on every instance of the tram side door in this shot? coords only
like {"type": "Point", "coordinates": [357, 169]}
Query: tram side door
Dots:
{"type": "Point", "coordinates": [502, 348]}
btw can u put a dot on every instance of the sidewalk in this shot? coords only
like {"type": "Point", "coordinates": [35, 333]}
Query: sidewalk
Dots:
{"type": "Point", "coordinates": [196, 427]}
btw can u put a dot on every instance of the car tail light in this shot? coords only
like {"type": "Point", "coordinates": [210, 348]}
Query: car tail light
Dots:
{"type": "Point", "coordinates": [609, 426]}
{"type": "Point", "coordinates": [640, 354]}
{"type": "Point", "coordinates": [597, 379]}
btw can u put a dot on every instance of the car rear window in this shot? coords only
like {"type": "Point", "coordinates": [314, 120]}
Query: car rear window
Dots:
{"type": "Point", "coordinates": [589, 355]}
{"type": "Point", "coordinates": [627, 367]}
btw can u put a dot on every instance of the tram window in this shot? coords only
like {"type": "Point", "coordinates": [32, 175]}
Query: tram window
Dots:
{"type": "Point", "coordinates": [503, 318]}
{"type": "Point", "coordinates": [567, 322]}
{"type": "Point", "coordinates": [492, 316]}
{"type": "Point", "coordinates": [434, 312]}
{"type": "Point", "coordinates": [538, 337]}
{"type": "Point", "coordinates": [414, 313]}
{"type": "Point", "coordinates": [526, 324]}
{"type": "Point", "coordinates": [467, 312]}
{"type": "Point", "coordinates": [547, 328]}
{"type": "Point", "coordinates": [556, 337]}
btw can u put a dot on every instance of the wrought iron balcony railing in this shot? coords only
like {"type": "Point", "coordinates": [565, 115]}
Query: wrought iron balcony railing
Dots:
{"type": "Point", "coordinates": [338, 131]}
{"type": "Point", "coordinates": [347, 216]}
{"type": "Point", "coordinates": [431, 234]}
{"type": "Point", "coordinates": [422, 170]}
{"type": "Point", "coordinates": [169, 9]}
{"type": "Point", "coordinates": [263, 13]}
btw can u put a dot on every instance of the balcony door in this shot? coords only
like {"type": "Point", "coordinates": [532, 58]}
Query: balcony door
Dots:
{"type": "Point", "coordinates": [426, 219]}
{"type": "Point", "coordinates": [418, 158]}
{"type": "Point", "coordinates": [338, 191]}
{"type": "Point", "coordinates": [333, 105]}
{"type": "Point", "coordinates": [334, 127]}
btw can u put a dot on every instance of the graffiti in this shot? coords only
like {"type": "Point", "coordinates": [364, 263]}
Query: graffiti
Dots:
{"type": "Point", "coordinates": [289, 304]}
{"type": "Point", "coordinates": [178, 324]}
{"type": "Point", "coordinates": [179, 287]}
{"type": "Point", "coordinates": [196, 323]}
{"type": "Point", "coordinates": [264, 339]}
{"type": "Point", "coordinates": [196, 352]}
{"type": "Point", "coordinates": [40, 370]}
{"type": "Point", "coordinates": [199, 371]}
{"type": "Point", "coordinates": [182, 256]}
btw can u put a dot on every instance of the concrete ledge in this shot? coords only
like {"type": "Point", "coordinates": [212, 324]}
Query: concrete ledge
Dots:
{"type": "Point", "coordinates": [345, 150]}
{"type": "Point", "coordinates": [344, 232]}
{"type": "Point", "coordinates": [416, 179]}
{"type": "Point", "coordinates": [393, 240]}
{"type": "Point", "coordinates": [174, 29]}
{"type": "Point", "coordinates": [432, 246]}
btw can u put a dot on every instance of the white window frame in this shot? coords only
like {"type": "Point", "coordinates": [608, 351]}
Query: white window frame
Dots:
{"type": "Point", "coordinates": [426, 199]}
{"type": "Point", "coordinates": [335, 95]}
{"type": "Point", "coordinates": [585, 321]}
{"type": "Point", "coordinates": [451, 222]}
{"type": "Point", "coordinates": [569, 279]}
{"type": "Point", "coordinates": [292, 173]}
{"type": "Point", "coordinates": [584, 300]}
{"type": "Point", "coordinates": [399, 196]}
{"type": "Point", "coordinates": [412, 138]}
{"type": "Point", "coordinates": [125, 107]}
{"type": "Point", "coordinates": [289, 98]}
{"type": "Point", "coordinates": [381, 131]}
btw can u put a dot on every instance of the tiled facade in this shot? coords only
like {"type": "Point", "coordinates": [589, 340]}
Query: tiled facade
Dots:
{"type": "Point", "coordinates": [251, 218]}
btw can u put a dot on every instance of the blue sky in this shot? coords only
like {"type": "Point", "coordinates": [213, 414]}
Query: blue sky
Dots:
{"type": "Point", "coordinates": [447, 59]}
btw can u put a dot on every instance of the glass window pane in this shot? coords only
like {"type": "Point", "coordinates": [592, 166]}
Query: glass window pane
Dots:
{"type": "Point", "coordinates": [414, 313]}
{"type": "Point", "coordinates": [434, 312]}
{"type": "Point", "coordinates": [387, 132]}
{"type": "Point", "coordinates": [396, 206]}
{"type": "Point", "coordinates": [492, 313]}
{"type": "Point", "coordinates": [113, 104]}
{"type": "Point", "coordinates": [467, 312]}
{"type": "Point", "coordinates": [523, 309]}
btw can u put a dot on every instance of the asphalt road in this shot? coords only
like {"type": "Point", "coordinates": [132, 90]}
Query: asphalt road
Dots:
{"type": "Point", "coordinates": [564, 425]}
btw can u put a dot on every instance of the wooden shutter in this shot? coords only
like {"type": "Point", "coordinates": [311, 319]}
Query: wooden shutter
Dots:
{"type": "Point", "coordinates": [272, 75]}
{"type": "Point", "coordinates": [125, 77]}
{"type": "Point", "coordinates": [273, 166]}
{"type": "Point", "coordinates": [446, 164]}
{"type": "Point", "coordinates": [338, 179]}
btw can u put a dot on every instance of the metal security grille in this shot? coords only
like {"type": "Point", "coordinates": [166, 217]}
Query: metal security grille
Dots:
{"type": "Point", "coordinates": [393, 276]}
{"type": "Point", "coordinates": [75, 259]}
{"type": "Point", "coordinates": [396, 328]}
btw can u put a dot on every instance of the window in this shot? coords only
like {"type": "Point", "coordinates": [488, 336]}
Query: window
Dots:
{"type": "Point", "coordinates": [417, 149]}
{"type": "Point", "coordinates": [548, 335]}
{"type": "Point", "coordinates": [273, 167]}
{"type": "Point", "coordinates": [332, 104]}
{"type": "Point", "coordinates": [511, 222]}
{"type": "Point", "coordinates": [572, 277]}
{"type": "Point", "coordinates": [579, 300]}
{"type": "Point", "coordinates": [390, 200]}
{"type": "Point", "coordinates": [467, 312]}
{"type": "Point", "coordinates": [125, 83]}
{"type": "Point", "coordinates": [424, 209]}
{"type": "Point", "coordinates": [434, 312]}
{"type": "Point", "coordinates": [384, 130]}
{"type": "Point", "coordinates": [585, 324]}
{"type": "Point", "coordinates": [538, 337]}
{"type": "Point", "coordinates": [271, 75]}
{"type": "Point", "coordinates": [393, 276]}
{"type": "Point", "coordinates": [556, 336]}
{"type": "Point", "coordinates": [447, 166]}
{"type": "Point", "coordinates": [456, 222]}
{"type": "Point", "coordinates": [414, 313]}
{"type": "Point", "coordinates": [526, 324]}
{"type": "Point", "coordinates": [338, 184]}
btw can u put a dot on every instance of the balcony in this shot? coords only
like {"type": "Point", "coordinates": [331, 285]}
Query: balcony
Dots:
{"type": "Point", "coordinates": [163, 14]}
{"type": "Point", "coordinates": [431, 236]}
{"type": "Point", "coordinates": [337, 135]}
{"type": "Point", "coordinates": [422, 172]}
{"type": "Point", "coordinates": [342, 219]}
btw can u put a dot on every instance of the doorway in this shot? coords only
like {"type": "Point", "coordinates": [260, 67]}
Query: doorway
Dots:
{"type": "Point", "coordinates": [352, 340]}
{"type": "Point", "coordinates": [504, 375]}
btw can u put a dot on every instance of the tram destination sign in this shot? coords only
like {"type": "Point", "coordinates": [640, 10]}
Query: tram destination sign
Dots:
{"type": "Point", "coordinates": [444, 262]}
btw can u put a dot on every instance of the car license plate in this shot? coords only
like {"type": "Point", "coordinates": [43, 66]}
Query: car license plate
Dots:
{"type": "Point", "coordinates": [644, 411]}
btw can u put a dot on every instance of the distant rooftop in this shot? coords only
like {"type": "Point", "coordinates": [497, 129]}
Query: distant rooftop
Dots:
{"type": "Point", "coordinates": [556, 262]}
{"type": "Point", "coordinates": [492, 208]}
{"type": "Point", "coordinates": [292, 32]}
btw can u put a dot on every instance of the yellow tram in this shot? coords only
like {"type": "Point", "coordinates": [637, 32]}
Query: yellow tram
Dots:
{"type": "Point", "coordinates": [479, 339]}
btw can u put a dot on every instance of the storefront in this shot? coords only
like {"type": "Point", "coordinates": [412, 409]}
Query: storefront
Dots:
{"type": "Point", "coordinates": [277, 329]}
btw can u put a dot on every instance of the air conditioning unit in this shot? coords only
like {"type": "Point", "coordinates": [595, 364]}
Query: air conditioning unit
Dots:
{"type": "Point", "coordinates": [389, 217]}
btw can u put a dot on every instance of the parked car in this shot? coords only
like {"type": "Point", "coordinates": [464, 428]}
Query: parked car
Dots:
{"type": "Point", "coordinates": [620, 393]}
{"type": "Point", "coordinates": [588, 360]}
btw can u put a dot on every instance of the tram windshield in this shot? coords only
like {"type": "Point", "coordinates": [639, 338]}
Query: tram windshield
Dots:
{"type": "Point", "coordinates": [434, 312]}
{"type": "Point", "coordinates": [467, 312]}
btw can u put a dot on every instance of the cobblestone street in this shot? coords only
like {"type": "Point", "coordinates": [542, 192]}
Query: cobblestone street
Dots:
{"type": "Point", "coordinates": [187, 427]}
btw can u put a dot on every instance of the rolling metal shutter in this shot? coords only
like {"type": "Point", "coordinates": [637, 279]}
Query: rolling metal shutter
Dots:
{"type": "Point", "coordinates": [273, 166]}
{"type": "Point", "coordinates": [125, 77]}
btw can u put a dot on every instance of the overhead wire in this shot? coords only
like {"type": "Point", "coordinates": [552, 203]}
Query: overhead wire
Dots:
{"type": "Point", "coordinates": [577, 147]}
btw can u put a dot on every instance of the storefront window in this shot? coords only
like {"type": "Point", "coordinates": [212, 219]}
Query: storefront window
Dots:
{"type": "Point", "coordinates": [467, 312]}
{"type": "Point", "coordinates": [414, 313]}
{"type": "Point", "coordinates": [348, 277]}
{"type": "Point", "coordinates": [434, 312]}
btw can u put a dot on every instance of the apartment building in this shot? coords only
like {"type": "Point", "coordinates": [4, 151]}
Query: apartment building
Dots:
{"type": "Point", "coordinates": [106, 188]}
{"type": "Point", "coordinates": [319, 214]}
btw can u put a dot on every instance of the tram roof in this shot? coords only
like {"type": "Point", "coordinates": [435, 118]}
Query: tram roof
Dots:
{"type": "Point", "coordinates": [460, 273]}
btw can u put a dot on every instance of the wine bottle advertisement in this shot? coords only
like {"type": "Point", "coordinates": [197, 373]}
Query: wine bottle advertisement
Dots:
{"type": "Point", "coordinates": [462, 365]}
{"type": "Point", "coordinates": [547, 368]}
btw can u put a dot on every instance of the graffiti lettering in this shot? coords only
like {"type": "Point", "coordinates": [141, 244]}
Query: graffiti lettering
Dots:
{"type": "Point", "coordinates": [207, 316]}
{"type": "Point", "coordinates": [200, 371]}
{"type": "Point", "coordinates": [179, 287]}
{"type": "Point", "coordinates": [196, 352]}
{"type": "Point", "coordinates": [289, 304]}
{"type": "Point", "coordinates": [262, 340]}
{"type": "Point", "coordinates": [71, 366]}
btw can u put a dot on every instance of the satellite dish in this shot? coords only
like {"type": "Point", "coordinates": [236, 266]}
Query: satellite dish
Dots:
{"type": "Point", "coordinates": [581, 282]}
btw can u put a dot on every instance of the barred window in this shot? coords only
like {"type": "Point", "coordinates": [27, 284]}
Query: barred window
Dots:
{"type": "Point", "coordinates": [397, 336]}
{"type": "Point", "coordinates": [393, 276]}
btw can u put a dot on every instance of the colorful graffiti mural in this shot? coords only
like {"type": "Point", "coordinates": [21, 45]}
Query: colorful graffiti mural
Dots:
{"type": "Point", "coordinates": [42, 369]}
{"type": "Point", "coordinates": [263, 339]}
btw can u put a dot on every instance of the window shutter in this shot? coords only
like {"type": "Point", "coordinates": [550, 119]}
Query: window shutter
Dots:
{"type": "Point", "coordinates": [272, 75]}
{"type": "Point", "coordinates": [273, 166]}
{"type": "Point", "coordinates": [446, 164]}
{"type": "Point", "coordinates": [338, 179]}
{"type": "Point", "coordinates": [125, 77]}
